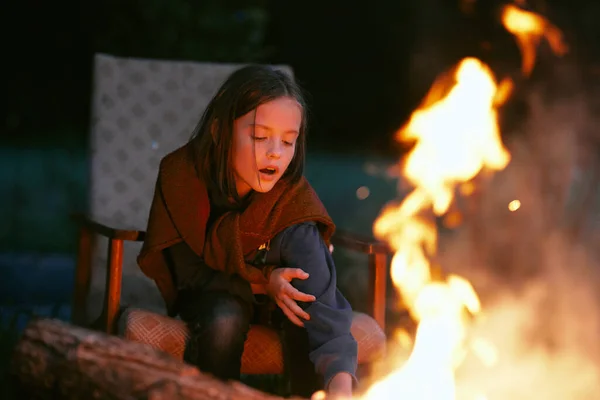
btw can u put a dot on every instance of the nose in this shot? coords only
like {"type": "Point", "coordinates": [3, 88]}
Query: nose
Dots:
{"type": "Point", "coordinates": [274, 150]}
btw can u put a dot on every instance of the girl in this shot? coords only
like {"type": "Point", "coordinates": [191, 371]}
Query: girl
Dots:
{"type": "Point", "coordinates": [233, 218]}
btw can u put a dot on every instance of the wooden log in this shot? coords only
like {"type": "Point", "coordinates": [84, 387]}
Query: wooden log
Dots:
{"type": "Point", "coordinates": [56, 360]}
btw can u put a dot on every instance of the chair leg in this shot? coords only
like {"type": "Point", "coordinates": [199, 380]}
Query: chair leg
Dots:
{"type": "Point", "coordinates": [114, 276]}
{"type": "Point", "coordinates": [377, 286]}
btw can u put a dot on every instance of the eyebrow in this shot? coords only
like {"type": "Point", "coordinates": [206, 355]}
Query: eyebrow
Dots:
{"type": "Point", "coordinates": [269, 128]}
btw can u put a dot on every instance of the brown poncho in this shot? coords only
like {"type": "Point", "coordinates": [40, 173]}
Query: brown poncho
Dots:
{"type": "Point", "coordinates": [180, 210]}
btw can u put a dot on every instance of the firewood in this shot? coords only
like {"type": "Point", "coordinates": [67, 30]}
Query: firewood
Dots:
{"type": "Point", "coordinates": [56, 360]}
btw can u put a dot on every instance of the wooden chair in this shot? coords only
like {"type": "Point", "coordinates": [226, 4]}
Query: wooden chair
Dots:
{"type": "Point", "coordinates": [263, 353]}
{"type": "Point", "coordinates": [142, 110]}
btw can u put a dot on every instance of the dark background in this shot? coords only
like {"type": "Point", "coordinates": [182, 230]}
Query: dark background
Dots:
{"type": "Point", "coordinates": [366, 65]}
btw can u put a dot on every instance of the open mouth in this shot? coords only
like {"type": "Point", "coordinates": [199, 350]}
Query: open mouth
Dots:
{"type": "Point", "coordinates": [269, 170]}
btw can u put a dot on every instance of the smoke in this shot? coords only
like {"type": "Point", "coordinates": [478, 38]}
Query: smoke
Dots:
{"type": "Point", "coordinates": [536, 269]}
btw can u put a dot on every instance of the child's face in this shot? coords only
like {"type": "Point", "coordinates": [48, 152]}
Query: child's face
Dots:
{"type": "Point", "coordinates": [264, 146]}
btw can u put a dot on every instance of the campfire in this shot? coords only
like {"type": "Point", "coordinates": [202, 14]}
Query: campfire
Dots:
{"type": "Point", "coordinates": [456, 137]}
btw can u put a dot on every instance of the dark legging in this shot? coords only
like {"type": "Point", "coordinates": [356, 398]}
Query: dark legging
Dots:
{"type": "Point", "coordinates": [219, 323]}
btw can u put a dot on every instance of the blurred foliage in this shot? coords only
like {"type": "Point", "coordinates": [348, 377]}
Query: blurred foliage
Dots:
{"type": "Point", "coordinates": [216, 30]}
{"type": "Point", "coordinates": [8, 339]}
{"type": "Point", "coordinates": [47, 97]}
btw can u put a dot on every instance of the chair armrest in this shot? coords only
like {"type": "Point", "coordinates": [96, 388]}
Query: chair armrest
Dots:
{"type": "Point", "coordinates": [352, 241]}
{"type": "Point", "coordinates": [378, 253]}
{"type": "Point", "coordinates": [114, 271]}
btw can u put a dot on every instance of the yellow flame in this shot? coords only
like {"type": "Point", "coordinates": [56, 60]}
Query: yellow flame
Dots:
{"type": "Point", "coordinates": [529, 29]}
{"type": "Point", "coordinates": [485, 351]}
{"type": "Point", "coordinates": [456, 135]}
{"type": "Point", "coordinates": [403, 338]}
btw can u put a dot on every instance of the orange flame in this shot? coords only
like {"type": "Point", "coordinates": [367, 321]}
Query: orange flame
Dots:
{"type": "Point", "coordinates": [456, 137]}
{"type": "Point", "coordinates": [529, 29]}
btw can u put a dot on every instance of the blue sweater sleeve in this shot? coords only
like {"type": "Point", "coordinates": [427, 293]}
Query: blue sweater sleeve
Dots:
{"type": "Point", "coordinates": [333, 349]}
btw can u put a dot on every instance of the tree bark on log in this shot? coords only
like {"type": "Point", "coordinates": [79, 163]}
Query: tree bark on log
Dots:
{"type": "Point", "coordinates": [56, 360]}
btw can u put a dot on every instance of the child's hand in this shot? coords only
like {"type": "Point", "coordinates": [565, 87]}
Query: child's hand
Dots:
{"type": "Point", "coordinates": [340, 387]}
{"type": "Point", "coordinates": [285, 295]}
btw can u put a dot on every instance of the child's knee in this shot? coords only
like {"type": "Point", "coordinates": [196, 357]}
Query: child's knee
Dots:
{"type": "Point", "coordinates": [227, 318]}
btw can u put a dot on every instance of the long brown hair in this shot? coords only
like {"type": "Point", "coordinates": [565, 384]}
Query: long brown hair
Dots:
{"type": "Point", "coordinates": [212, 139]}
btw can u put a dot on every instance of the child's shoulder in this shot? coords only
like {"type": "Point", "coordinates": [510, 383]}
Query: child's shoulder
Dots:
{"type": "Point", "coordinates": [302, 229]}
{"type": "Point", "coordinates": [304, 235]}
{"type": "Point", "coordinates": [175, 158]}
